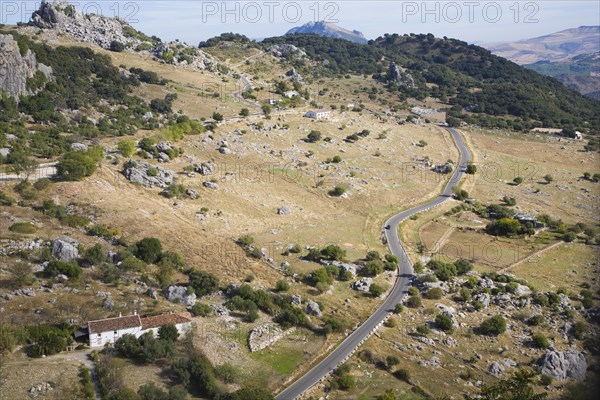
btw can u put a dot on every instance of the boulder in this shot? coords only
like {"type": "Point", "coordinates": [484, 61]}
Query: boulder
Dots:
{"type": "Point", "coordinates": [312, 308]}
{"type": "Point", "coordinates": [297, 300]}
{"type": "Point", "coordinates": [496, 369]}
{"type": "Point", "coordinates": [164, 147]}
{"type": "Point", "coordinates": [192, 194]}
{"type": "Point", "coordinates": [483, 298]}
{"type": "Point", "coordinates": [363, 285]}
{"type": "Point", "coordinates": [108, 303]}
{"type": "Point", "coordinates": [284, 211]}
{"type": "Point", "coordinates": [210, 185]}
{"type": "Point", "coordinates": [206, 169]}
{"type": "Point", "coordinates": [65, 249]}
{"type": "Point", "coordinates": [564, 365]}
{"type": "Point", "coordinates": [347, 267]}
{"type": "Point", "coordinates": [79, 147]}
{"type": "Point", "coordinates": [180, 295]}
{"type": "Point", "coordinates": [522, 290]}
{"type": "Point", "coordinates": [137, 172]}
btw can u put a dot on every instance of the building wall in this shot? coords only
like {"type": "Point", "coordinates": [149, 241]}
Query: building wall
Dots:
{"type": "Point", "coordinates": [100, 340]}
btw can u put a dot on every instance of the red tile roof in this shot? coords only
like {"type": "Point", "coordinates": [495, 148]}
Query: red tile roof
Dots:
{"type": "Point", "coordinates": [114, 324]}
{"type": "Point", "coordinates": [160, 320]}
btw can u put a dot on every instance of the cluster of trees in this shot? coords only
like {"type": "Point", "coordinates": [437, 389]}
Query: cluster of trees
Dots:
{"type": "Point", "coordinates": [444, 271]}
{"type": "Point", "coordinates": [38, 340]}
{"type": "Point", "coordinates": [76, 165]}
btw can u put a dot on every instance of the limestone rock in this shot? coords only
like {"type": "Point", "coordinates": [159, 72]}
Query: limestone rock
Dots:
{"type": "Point", "coordinates": [137, 172]}
{"type": "Point", "coordinates": [65, 249]}
{"type": "Point", "coordinates": [564, 365]}
{"type": "Point", "coordinates": [16, 68]}
{"type": "Point", "coordinates": [284, 211]}
{"type": "Point", "coordinates": [180, 295]}
{"type": "Point", "coordinates": [496, 369]}
{"type": "Point", "coordinates": [312, 308]}
{"type": "Point", "coordinates": [363, 285]}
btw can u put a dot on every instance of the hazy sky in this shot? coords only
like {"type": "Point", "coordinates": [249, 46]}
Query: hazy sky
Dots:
{"type": "Point", "coordinates": [472, 21]}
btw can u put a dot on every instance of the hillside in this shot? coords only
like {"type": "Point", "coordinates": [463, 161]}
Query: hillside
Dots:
{"type": "Point", "coordinates": [479, 87]}
{"type": "Point", "coordinates": [581, 73]}
{"type": "Point", "coordinates": [155, 182]}
{"type": "Point", "coordinates": [328, 29]}
{"type": "Point", "coordinates": [556, 47]}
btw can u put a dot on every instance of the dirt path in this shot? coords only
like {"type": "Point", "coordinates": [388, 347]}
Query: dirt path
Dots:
{"type": "Point", "coordinates": [530, 257]}
{"type": "Point", "coordinates": [442, 240]}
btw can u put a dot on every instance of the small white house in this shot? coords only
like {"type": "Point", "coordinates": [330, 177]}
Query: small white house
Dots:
{"type": "Point", "coordinates": [108, 331]}
{"type": "Point", "coordinates": [319, 114]}
{"type": "Point", "coordinates": [290, 94]}
{"type": "Point", "coordinates": [105, 331]}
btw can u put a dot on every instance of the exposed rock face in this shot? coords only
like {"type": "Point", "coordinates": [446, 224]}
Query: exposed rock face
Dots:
{"type": "Point", "coordinates": [294, 75]}
{"type": "Point", "coordinates": [363, 285]}
{"type": "Point", "coordinates": [89, 28]}
{"type": "Point", "coordinates": [137, 172]}
{"type": "Point", "coordinates": [286, 50]}
{"type": "Point", "coordinates": [102, 31]}
{"type": "Point", "coordinates": [400, 77]}
{"type": "Point", "coordinates": [566, 365]}
{"type": "Point", "coordinates": [522, 290]}
{"type": "Point", "coordinates": [16, 68]}
{"type": "Point", "coordinates": [297, 300]}
{"type": "Point", "coordinates": [205, 169]}
{"type": "Point", "coordinates": [179, 294]}
{"type": "Point", "coordinates": [210, 185]}
{"type": "Point", "coordinates": [312, 308]}
{"type": "Point", "coordinates": [483, 298]}
{"type": "Point", "coordinates": [263, 336]}
{"type": "Point", "coordinates": [65, 249]}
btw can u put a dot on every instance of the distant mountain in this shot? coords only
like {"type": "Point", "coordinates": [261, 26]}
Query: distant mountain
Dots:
{"type": "Point", "coordinates": [331, 30]}
{"type": "Point", "coordinates": [556, 47]}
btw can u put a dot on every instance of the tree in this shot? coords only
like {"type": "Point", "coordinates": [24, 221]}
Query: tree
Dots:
{"type": "Point", "coordinates": [346, 382]}
{"type": "Point", "coordinates": [460, 194]}
{"type": "Point", "coordinates": [76, 165]}
{"type": "Point", "coordinates": [244, 112]}
{"type": "Point", "coordinates": [337, 191]}
{"type": "Point", "coordinates": [168, 332]}
{"type": "Point", "coordinates": [376, 290]}
{"type": "Point", "coordinates": [217, 117]}
{"type": "Point", "coordinates": [398, 308]}
{"type": "Point", "coordinates": [471, 169]}
{"type": "Point", "coordinates": [493, 326]}
{"type": "Point", "coordinates": [94, 255]}
{"type": "Point", "coordinates": [504, 227]}
{"type": "Point", "coordinates": [444, 322]}
{"type": "Point", "coordinates": [548, 178]}
{"type": "Point", "coordinates": [313, 137]}
{"type": "Point", "coordinates": [509, 201]}
{"type": "Point", "coordinates": [148, 249]}
{"type": "Point", "coordinates": [201, 309]}
{"type": "Point", "coordinates": [434, 294]}
{"type": "Point", "coordinates": [126, 147]}
{"type": "Point", "coordinates": [282, 285]}
{"type": "Point", "coordinates": [21, 274]}
{"type": "Point", "coordinates": [117, 46]}
{"type": "Point", "coordinates": [25, 166]}
{"type": "Point", "coordinates": [203, 282]}
{"type": "Point", "coordinates": [540, 341]}
{"type": "Point", "coordinates": [518, 387]}
{"type": "Point", "coordinates": [518, 180]}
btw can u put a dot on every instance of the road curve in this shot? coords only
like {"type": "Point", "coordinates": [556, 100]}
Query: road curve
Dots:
{"type": "Point", "coordinates": [405, 274]}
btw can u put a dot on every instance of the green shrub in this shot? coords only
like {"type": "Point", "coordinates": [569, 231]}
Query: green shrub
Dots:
{"type": "Point", "coordinates": [376, 290]}
{"type": "Point", "coordinates": [201, 309]}
{"type": "Point", "coordinates": [56, 267]}
{"type": "Point", "coordinates": [402, 374]}
{"type": "Point", "coordinates": [337, 191]}
{"type": "Point", "coordinates": [414, 301]}
{"type": "Point", "coordinates": [434, 294]}
{"type": "Point", "coordinates": [493, 326]}
{"type": "Point", "coordinates": [148, 249]}
{"type": "Point", "coordinates": [282, 285]}
{"type": "Point", "coordinates": [346, 382]}
{"type": "Point", "coordinates": [444, 323]}
{"type": "Point", "coordinates": [23, 227]}
{"type": "Point", "coordinates": [398, 308]}
{"type": "Point", "coordinates": [423, 330]}
{"type": "Point", "coordinates": [540, 341]}
{"type": "Point", "coordinates": [203, 282]}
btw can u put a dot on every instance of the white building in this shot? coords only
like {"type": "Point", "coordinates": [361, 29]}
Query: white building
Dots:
{"type": "Point", "coordinates": [290, 94]}
{"type": "Point", "coordinates": [319, 114]}
{"type": "Point", "coordinates": [108, 331]}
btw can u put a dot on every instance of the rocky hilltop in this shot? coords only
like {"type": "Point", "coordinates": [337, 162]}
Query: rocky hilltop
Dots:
{"type": "Point", "coordinates": [328, 29]}
{"type": "Point", "coordinates": [115, 34]}
{"type": "Point", "coordinates": [17, 68]}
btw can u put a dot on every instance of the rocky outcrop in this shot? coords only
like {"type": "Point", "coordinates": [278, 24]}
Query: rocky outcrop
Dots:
{"type": "Point", "coordinates": [16, 68]}
{"type": "Point", "coordinates": [363, 285]}
{"type": "Point", "coordinates": [312, 308]}
{"type": "Point", "coordinates": [293, 75]}
{"type": "Point", "coordinates": [564, 365]}
{"type": "Point", "coordinates": [65, 249]}
{"type": "Point", "coordinates": [148, 175]}
{"type": "Point", "coordinates": [286, 51]}
{"type": "Point", "coordinates": [263, 336]}
{"type": "Point", "coordinates": [397, 75]}
{"type": "Point", "coordinates": [103, 31]}
{"type": "Point", "coordinates": [180, 295]}
{"type": "Point", "coordinates": [284, 211]}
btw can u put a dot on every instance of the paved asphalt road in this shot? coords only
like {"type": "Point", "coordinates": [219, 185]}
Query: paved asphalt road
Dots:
{"type": "Point", "coordinates": [355, 339]}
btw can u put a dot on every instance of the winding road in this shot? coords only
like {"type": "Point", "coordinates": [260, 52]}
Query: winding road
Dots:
{"type": "Point", "coordinates": [405, 274]}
